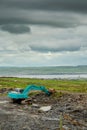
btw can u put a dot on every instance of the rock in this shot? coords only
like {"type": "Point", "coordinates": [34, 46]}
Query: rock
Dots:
{"type": "Point", "coordinates": [1, 102]}
{"type": "Point", "coordinates": [25, 128]}
{"type": "Point", "coordinates": [45, 108]}
{"type": "Point", "coordinates": [35, 105]}
{"type": "Point", "coordinates": [26, 101]}
{"type": "Point", "coordinates": [80, 107]}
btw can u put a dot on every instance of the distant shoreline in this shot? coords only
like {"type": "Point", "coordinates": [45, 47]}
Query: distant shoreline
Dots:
{"type": "Point", "coordinates": [59, 76]}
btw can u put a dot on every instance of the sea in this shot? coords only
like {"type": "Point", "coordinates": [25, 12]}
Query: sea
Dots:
{"type": "Point", "coordinates": [48, 72]}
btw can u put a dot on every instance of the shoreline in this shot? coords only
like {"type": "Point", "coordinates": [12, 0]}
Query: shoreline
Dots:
{"type": "Point", "coordinates": [59, 76]}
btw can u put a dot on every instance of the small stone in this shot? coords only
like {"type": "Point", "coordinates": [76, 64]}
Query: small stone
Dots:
{"type": "Point", "coordinates": [45, 108]}
{"type": "Point", "coordinates": [35, 105]}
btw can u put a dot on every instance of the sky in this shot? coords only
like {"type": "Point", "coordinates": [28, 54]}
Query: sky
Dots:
{"type": "Point", "coordinates": [43, 32]}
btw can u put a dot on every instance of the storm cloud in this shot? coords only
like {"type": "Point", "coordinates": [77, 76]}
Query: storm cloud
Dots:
{"type": "Point", "coordinates": [15, 28]}
{"type": "Point", "coordinates": [43, 32]}
{"type": "Point", "coordinates": [60, 13]}
{"type": "Point", "coordinates": [68, 5]}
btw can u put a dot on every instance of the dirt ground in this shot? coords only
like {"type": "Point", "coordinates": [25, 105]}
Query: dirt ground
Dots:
{"type": "Point", "coordinates": [67, 112]}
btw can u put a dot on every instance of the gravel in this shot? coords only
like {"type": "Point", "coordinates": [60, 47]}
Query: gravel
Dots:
{"type": "Point", "coordinates": [69, 110]}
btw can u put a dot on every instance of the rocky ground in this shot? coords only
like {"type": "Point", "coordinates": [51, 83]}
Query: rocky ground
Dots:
{"type": "Point", "coordinates": [67, 112]}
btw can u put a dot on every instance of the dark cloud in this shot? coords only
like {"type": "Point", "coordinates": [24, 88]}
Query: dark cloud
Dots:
{"type": "Point", "coordinates": [15, 28]}
{"type": "Point", "coordinates": [48, 12]}
{"type": "Point", "coordinates": [60, 19]}
{"type": "Point", "coordinates": [58, 13]}
{"type": "Point", "coordinates": [55, 49]}
{"type": "Point", "coordinates": [72, 5]}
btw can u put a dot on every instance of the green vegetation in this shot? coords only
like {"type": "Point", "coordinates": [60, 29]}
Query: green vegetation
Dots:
{"type": "Point", "coordinates": [61, 122]}
{"type": "Point", "coordinates": [61, 85]}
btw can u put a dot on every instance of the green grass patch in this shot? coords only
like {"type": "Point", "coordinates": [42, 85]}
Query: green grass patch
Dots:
{"type": "Point", "coordinates": [62, 85]}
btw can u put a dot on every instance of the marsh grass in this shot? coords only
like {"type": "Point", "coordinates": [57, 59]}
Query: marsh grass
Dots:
{"type": "Point", "coordinates": [79, 86]}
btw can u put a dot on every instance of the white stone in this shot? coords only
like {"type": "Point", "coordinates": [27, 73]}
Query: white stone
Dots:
{"type": "Point", "coordinates": [45, 108]}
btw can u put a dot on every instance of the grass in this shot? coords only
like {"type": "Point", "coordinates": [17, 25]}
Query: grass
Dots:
{"type": "Point", "coordinates": [61, 122]}
{"type": "Point", "coordinates": [79, 86]}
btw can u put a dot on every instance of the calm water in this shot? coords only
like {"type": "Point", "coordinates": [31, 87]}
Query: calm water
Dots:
{"type": "Point", "coordinates": [61, 72]}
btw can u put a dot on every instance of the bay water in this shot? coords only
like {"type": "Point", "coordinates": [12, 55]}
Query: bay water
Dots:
{"type": "Point", "coordinates": [54, 72]}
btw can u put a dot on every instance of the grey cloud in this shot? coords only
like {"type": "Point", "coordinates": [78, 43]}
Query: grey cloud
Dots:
{"type": "Point", "coordinates": [48, 12]}
{"type": "Point", "coordinates": [61, 19]}
{"type": "Point", "coordinates": [72, 5]}
{"type": "Point", "coordinates": [46, 39]}
{"type": "Point", "coordinates": [15, 28]}
{"type": "Point", "coordinates": [8, 52]}
{"type": "Point", "coordinates": [55, 49]}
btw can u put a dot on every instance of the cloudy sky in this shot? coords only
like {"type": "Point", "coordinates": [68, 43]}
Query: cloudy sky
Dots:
{"type": "Point", "coordinates": [43, 32]}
